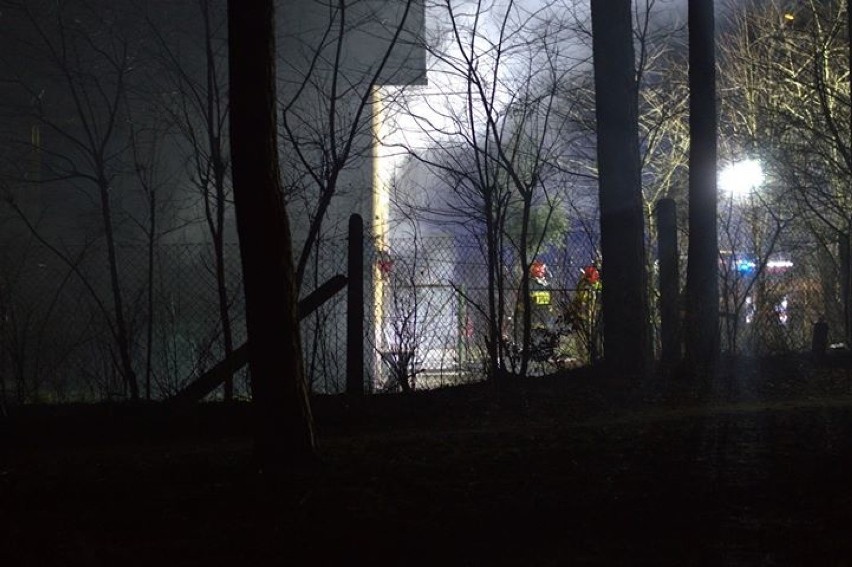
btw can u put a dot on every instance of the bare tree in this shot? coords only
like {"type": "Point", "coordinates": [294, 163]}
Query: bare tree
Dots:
{"type": "Point", "coordinates": [407, 314]}
{"type": "Point", "coordinates": [332, 96]}
{"type": "Point", "coordinates": [336, 60]}
{"type": "Point", "coordinates": [496, 143]}
{"type": "Point", "coordinates": [146, 155]}
{"type": "Point", "coordinates": [35, 346]}
{"type": "Point", "coordinates": [86, 63]}
{"type": "Point", "coordinates": [785, 99]}
{"type": "Point", "coordinates": [197, 105]}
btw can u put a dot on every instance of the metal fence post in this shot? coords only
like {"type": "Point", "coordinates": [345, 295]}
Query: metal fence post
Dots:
{"type": "Point", "coordinates": [355, 308]}
{"type": "Point", "coordinates": [461, 328]}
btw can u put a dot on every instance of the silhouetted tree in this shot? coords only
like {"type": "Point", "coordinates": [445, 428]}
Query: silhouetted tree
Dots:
{"type": "Point", "coordinates": [283, 416]}
{"type": "Point", "coordinates": [702, 280]}
{"type": "Point", "coordinates": [625, 299]}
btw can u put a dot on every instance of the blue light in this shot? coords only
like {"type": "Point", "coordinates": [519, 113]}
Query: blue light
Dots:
{"type": "Point", "coordinates": [745, 266]}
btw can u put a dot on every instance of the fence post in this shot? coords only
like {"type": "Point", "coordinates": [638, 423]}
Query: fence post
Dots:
{"type": "Point", "coordinates": [667, 254]}
{"type": "Point", "coordinates": [819, 340]}
{"type": "Point", "coordinates": [355, 308]}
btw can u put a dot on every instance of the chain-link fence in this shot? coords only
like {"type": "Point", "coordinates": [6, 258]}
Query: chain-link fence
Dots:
{"type": "Point", "coordinates": [324, 331]}
{"type": "Point", "coordinates": [429, 308]}
{"type": "Point", "coordinates": [441, 301]}
{"type": "Point", "coordinates": [60, 334]}
{"type": "Point", "coordinates": [424, 316]}
{"type": "Point", "coordinates": [777, 279]}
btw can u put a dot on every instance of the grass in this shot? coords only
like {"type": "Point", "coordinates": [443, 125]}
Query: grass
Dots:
{"type": "Point", "coordinates": [583, 468]}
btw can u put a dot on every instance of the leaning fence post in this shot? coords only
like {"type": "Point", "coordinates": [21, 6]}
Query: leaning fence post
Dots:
{"type": "Point", "coordinates": [355, 308]}
{"type": "Point", "coordinates": [669, 280]}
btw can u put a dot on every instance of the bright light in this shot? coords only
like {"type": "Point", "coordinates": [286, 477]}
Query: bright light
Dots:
{"type": "Point", "coordinates": [779, 265]}
{"type": "Point", "coordinates": [742, 178]}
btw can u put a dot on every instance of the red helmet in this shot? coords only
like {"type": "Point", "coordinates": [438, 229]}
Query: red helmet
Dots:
{"type": "Point", "coordinates": [591, 274]}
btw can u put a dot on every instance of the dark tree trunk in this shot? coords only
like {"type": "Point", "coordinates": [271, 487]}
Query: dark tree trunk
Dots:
{"type": "Point", "coordinates": [495, 344]}
{"type": "Point", "coordinates": [355, 308]}
{"type": "Point", "coordinates": [627, 345]}
{"type": "Point", "coordinates": [283, 418]}
{"type": "Point", "coordinates": [149, 329]}
{"type": "Point", "coordinates": [702, 284]}
{"type": "Point", "coordinates": [666, 212]}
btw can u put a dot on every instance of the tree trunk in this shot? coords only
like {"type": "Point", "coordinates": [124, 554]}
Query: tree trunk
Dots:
{"type": "Point", "coordinates": [284, 426]}
{"type": "Point", "coordinates": [526, 303]}
{"type": "Point", "coordinates": [216, 222]}
{"type": "Point", "coordinates": [847, 294]}
{"type": "Point", "coordinates": [121, 335]}
{"type": "Point", "coordinates": [149, 275]}
{"type": "Point", "coordinates": [494, 342]}
{"type": "Point", "coordinates": [627, 346]}
{"type": "Point", "coordinates": [702, 284]}
{"type": "Point", "coordinates": [666, 212]}
{"type": "Point", "coordinates": [844, 247]}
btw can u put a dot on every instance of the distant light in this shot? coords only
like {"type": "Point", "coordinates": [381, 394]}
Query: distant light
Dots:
{"type": "Point", "coordinates": [745, 266]}
{"type": "Point", "coordinates": [789, 17]}
{"type": "Point", "coordinates": [779, 265]}
{"type": "Point", "coordinates": [740, 179]}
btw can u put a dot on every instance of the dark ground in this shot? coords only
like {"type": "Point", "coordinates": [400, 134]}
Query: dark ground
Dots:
{"type": "Point", "coordinates": [753, 469]}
